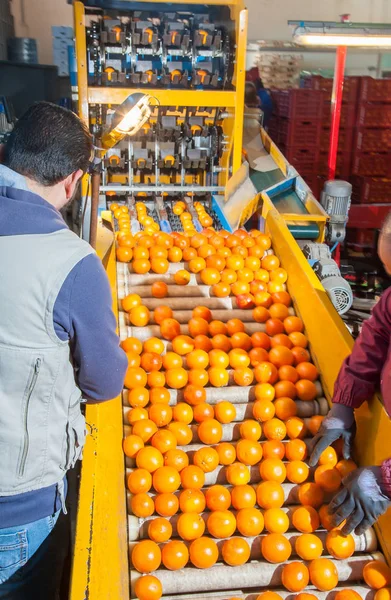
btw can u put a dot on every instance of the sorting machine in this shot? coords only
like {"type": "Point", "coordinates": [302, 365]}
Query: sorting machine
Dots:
{"type": "Point", "coordinates": [190, 58]}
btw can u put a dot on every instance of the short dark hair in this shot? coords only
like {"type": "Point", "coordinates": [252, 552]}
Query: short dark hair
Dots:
{"type": "Point", "coordinates": [251, 98]}
{"type": "Point", "coordinates": [48, 143]}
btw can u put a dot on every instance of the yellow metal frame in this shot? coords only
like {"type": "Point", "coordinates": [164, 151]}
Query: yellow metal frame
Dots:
{"type": "Point", "coordinates": [232, 101]}
{"type": "Point", "coordinates": [100, 567]}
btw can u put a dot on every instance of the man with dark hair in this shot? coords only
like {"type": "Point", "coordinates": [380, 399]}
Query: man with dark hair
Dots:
{"type": "Point", "coordinates": [264, 96]}
{"type": "Point", "coordinates": [366, 492]}
{"type": "Point", "coordinates": [58, 340]}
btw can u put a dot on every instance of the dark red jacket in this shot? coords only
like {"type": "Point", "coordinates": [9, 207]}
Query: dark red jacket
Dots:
{"type": "Point", "coordinates": [369, 365]}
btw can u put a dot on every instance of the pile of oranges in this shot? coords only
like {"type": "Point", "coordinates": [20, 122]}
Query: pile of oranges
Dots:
{"type": "Point", "coordinates": [230, 485]}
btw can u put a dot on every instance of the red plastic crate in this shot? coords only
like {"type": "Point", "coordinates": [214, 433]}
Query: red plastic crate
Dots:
{"type": "Point", "coordinates": [350, 88]}
{"type": "Point", "coordinates": [348, 115]}
{"type": "Point", "coordinates": [345, 139]}
{"type": "Point", "coordinates": [372, 140]}
{"type": "Point", "coordinates": [371, 190]}
{"type": "Point", "coordinates": [375, 90]}
{"type": "Point", "coordinates": [374, 115]}
{"type": "Point", "coordinates": [298, 104]}
{"type": "Point", "coordinates": [343, 167]}
{"type": "Point", "coordinates": [371, 164]}
{"type": "Point", "coordinates": [299, 132]}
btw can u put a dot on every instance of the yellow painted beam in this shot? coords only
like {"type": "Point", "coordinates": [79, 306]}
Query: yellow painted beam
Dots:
{"type": "Point", "coordinates": [165, 97]}
{"type": "Point", "coordinates": [240, 75]}
{"type": "Point", "coordinates": [81, 57]}
{"type": "Point", "coordinates": [100, 562]}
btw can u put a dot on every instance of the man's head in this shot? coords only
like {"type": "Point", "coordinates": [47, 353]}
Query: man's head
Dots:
{"type": "Point", "coordinates": [51, 147]}
{"type": "Point", "coordinates": [384, 245]}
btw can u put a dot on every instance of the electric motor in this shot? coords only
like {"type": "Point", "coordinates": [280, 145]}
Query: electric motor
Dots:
{"type": "Point", "coordinates": [335, 199]}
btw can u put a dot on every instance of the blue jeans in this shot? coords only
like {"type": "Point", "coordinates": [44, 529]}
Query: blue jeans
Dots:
{"type": "Point", "coordinates": [19, 544]}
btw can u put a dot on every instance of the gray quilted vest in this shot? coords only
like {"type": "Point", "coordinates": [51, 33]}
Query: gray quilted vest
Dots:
{"type": "Point", "coordinates": [42, 430]}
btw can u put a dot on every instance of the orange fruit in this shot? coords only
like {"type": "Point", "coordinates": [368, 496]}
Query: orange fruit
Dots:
{"type": "Point", "coordinates": [260, 314]}
{"type": "Point", "coordinates": [270, 262]}
{"type": "Point", "coordinates": [266, 372]}
{"type": "Point", "coordinates": [166, 480]}
{"type": "Point", "coordinates": [228, 276]}
{"type": "Point", "coordinates": [183, 413]}
{"type": "Point", "coordinates": [190, 526]}
{"type": "Point", "coordinates": [249, 521]}
{"type": "Point", "coordinates": [279, 275]}
{"type": "Point", "coordinates": [140, 253]}
{"type": "Point", "coordinates": [135, 377]}
{"type": "Point", "coordinates": [235, 551]}
{"type": "Point", "coordinates": [285, 408]}
{"type": "Point", "coordinates": [326, 518]}
{"type": "Point", "coordinates": [218, 377]}
{"type": "Point", "coordinates": [237, 474]}
{"type": "Point", "coordinates": [241, 340]}
{"type": "Point", "coordinates": [172, 360]}
{"type": "Point", "coordinates": [264, 391]}
{"type": "Point", "coordinates": [248, 452]}
{"type": "Point", "coordinates": [144, 429]}
{"type": "Point", "coordinates": [124, 254]}
{"type": "Point", "coordinates": [139, 481]}
{"type": "Point", "coordinates": [192, 501]}
{"type": "Point", "coordinates": [243, 376]}
{"type": "Point", "coordinates": [210, 276]}
{"type": "Point", "coordinates": [276, 520]}
{"type": "Point", "coordinates": [149, 459]}
{"type": "Point", "coordinates": [328, 478]}
{"type": "Point", "coordinates": [202, 412]}
{"type": "Point", "coordinates": [226, 452]}
{"type": "Point", "coordinates": [328, 457]}
{"type": "Point", "coordinates": [182, 432]}
{"type": "Point", "coordinates": [197, 359]}
{"type": "Point", "coordinates": [296, 450]}
{"type": "Point", "coordinates": [314, 424]}
{"type": "Point", "coordinates": [203, 312]}
{"type": "Point", "coordinates": [142, 505]}
{"type": "Point", "coordinates": [159, 289]}
{"type": "Point", "coordinates": [243, 496]}
{"type": "Point", "coordinates": [295, 576]}
{"type": "Point", "coordinates": [132, 344]}
{"type": "Point", "coordinates": [153, 345]}
{"type": "Point", "coordinates": [281, 339]}
{"type": "Point", "coordinates": [295, 428]}
{"type": "Point", "coordinates": [280, 356]}
{"type": "Point", "coordinates": [131, 301]}
{"type": "Point", "coordinates": [159, 265]}
{"type": "Point", "coordinates": [192, 477]}
{"type": "Point", "coordinates": [194, 394]}
{"type": "Point", "coordinates": [210, 431]}
{"type": "Point", "coordinates": [156, 379]}
{"type": "Point", "coordinates": [285, 389]}
{"type": "Point", "coordinates": [270, 494]}
{"type": "Point", "coordinates": [198, 326]}
{"type": "Point", "coordinates": [175, 254]}
{"type": "Point", "coordinates": [176, 458]}
{"type": "Point", "coordinates": [217, 497]}
{"type": "Point", "coordinates": [263, 410]}
{"type": "Point", "coordinates": [176, 378]}
{"type": "Point", "coordinates": [132, 444]}
{"type": "Point", "coordinates": [182, 344]}
{"type": "Point", "coordinates": [311, 494]}
{"type": "Point", "coordinates": [297, 471]}
{"type": "Point", "coordinates": [323, 574]}
{"type": "Point", "coordinates": [221, 524]}
{"type": "Point", "coordinates": [148, 588]}
{"type": "Point", "coordinates": [257, 356]}
{"type": "Point", "coordinates": [338, 545]}
{"type": "Point", "coordinates": [225, 412]}
{"type": "Point", "coordinates": [206, 458]}
{"type": "Point", "coordinates": [293, 324]}
{"type": "Point", "coordinates": [150, 361]}
{"type": "Point", "coordinates": [274, 429]}
{"type": "Point", "coordinates": [273, 449]}
{"type": "Point", "coordinates": [347, 594]}
{"type": "Point", "coordinates": [203, 553]}
{"type": "Point", "coordinates": [221, 342]}
{"type": "Point", "coordinates": [276, 548]}
{"type": "Point", "coordinates": [175, 555]}
{"type": "Point", "coordinates": [164, 440]}
{"type": "Point", "coordinates": [146, 556]}
{"type": "Point", "coordinates": [238, 358]}
{"type": "Point", "coordinates": [189, 254]}
{"type": "Point", "coordinates": [218, 358]}
{"type": "Point", "coordinates": [377, 574]}
{"type": "Point", "coordinates": [305, 519]}
{"type": "Point", "coordinates": [269, 596]}
{"type": "Point", "coordinates": [282, 297]}
{"type": "Point", "coordinates": [344, 467]}
{"type": "Point", "coordinates": [140, 265]}
{"type": "Point", "coordinates": [307, 370]}
{"type": "Point", "coordinates": [279, 311]}
{"type": "Point", "coordinates": [159, 530]}
{"type": "Point", "coordinates": [306, 390]}
{"type": "Point", "coordinates": [300, 355]}
{"type": "Point", "coordinates": [169, 328]}
{"type": "Point", "coordinates": [162, 312]}
{"type": "Point", "coordinates": [308, 546]}
{"type": "Point", "coordinates": [273, 327]}
{"type": "Point", "coordinates": [272, 469]}
{"type": "Point", "coordinates": [298, 339]}
{"type": "Point", "coordinates": [196, 265]}
{"type": "Point", "coordinates": [250, 430]}
{"type": "Point", "coordinates": [216, 327]}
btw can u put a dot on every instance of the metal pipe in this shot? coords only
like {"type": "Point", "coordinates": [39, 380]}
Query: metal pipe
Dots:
{"type": "Point", "coordinates": [95, 181]}
{"type": "Point", "coordinates": [336, 105]}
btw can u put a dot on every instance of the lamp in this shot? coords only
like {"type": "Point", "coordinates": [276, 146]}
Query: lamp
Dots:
{"type": "Point", "coordinates": [333, 34]}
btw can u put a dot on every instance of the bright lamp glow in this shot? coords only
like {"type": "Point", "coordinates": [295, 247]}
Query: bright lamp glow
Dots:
{"type": "Point", "coordinates": [359, 35]}
{"type": "Point", "coordinates": [135, 112]}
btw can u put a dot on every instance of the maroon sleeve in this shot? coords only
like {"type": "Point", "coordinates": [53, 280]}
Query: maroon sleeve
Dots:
{"type": "Point", "coordinates": [360, 373]}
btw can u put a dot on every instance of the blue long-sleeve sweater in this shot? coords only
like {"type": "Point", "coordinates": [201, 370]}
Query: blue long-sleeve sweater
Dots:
{"type": "Point", "coordinates": [82, 314]}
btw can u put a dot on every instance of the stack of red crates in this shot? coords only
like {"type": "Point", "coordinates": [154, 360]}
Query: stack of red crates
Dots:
{"type": "Point", "coordinates": [371, 165]}
{"type": "Point", "coordinates": [296, 129]}
{"type": "Point", "coordinates": [347, 124]}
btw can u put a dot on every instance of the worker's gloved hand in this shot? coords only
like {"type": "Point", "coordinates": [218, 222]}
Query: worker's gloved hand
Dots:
{"type": "Point", "coordinates": [361, 500]}
{"type": "Point", "coordinates": [339, 423]}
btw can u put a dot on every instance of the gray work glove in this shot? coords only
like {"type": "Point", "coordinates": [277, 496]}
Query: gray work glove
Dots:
{"type": "Point", "coordinates": [361, 501]}
{"type": "Point", "coordinates": [339, 423]}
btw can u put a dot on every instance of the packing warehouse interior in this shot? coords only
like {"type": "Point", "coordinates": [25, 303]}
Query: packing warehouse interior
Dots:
{"type": "Point", "coordinates": [230, 165]}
